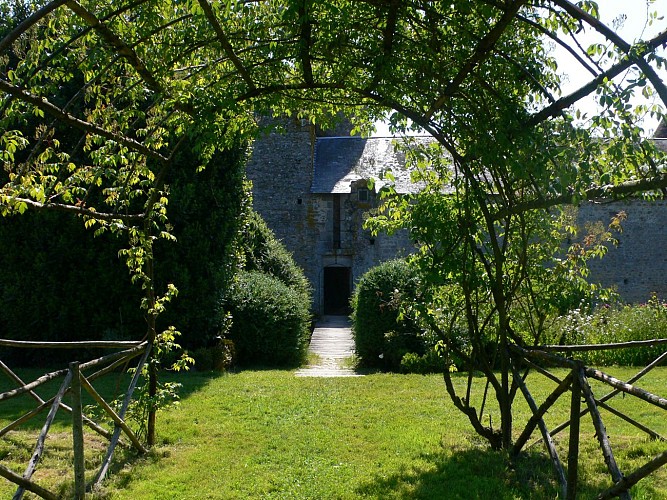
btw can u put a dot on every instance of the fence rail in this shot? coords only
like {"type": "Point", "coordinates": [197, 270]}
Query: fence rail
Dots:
{"type": "Point", "coordinates": [576, 382]}
{"type": "Point", "coordinates": [73, 382]}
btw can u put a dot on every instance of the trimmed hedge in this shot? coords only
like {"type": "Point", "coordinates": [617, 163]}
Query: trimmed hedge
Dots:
{"type": "Point", "coordinates": [58, 282]}
{"type": "Point", "coordinates": [261, 251]}
{"type": "Point", "coordinates": [271, 321]}
{"type": "Point", "coordinates": [382, 339]}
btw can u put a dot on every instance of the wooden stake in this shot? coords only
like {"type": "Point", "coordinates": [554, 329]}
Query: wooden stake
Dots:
{"type": "Point", "coordinates": [614, 411]}
{"type": "Point", "coordinates": [551, 447]}
{"type": "Point", "coordinates": [116, 433]}
{"type": "Point", "coordinates": [26, 484]}
{"type": "Point", "coordinates": [573, 447]}
{"type": "Point", "coordinates": [548, 403]}
{"type": "Point", "coordinates": [613, 393]}
{"type": "Point", "coordinates": [77, 434]}
{"type": "Point", "coordinates": [625, 387]}
{"type": "Point", "coordinates": [601, 433]}
{"type": "Point", "coordinates": [114, 416]}
{"type": "Point", "coordinates": [39, 447]}
{"type": "Point", "coordinates": [631, 479]}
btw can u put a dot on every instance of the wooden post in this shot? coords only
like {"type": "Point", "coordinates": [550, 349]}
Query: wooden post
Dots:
{"type": "Point", "coordinates": [101, 474]}
{"type": "Point", "coordinates": [39, 447]}
{"type": "Point", "coordinates": [77, 434]}
{"type": "Point", "coordinates": [601, 433]}
{"type": "Point", "coordinates": [573, 451]}
{"type": "Point", "coordinates": [151, 337]}
{"type": "Point", "coordinates": [551, 447]}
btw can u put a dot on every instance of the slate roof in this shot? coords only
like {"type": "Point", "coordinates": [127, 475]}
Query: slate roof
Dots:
{"type": "Point", "coordinates": [340, 161]}
{"type": "Point", "coordinates": [660, 136]}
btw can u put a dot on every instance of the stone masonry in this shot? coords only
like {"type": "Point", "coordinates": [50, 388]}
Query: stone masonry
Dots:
{"type": "Point", "coordinates": [312, 191]}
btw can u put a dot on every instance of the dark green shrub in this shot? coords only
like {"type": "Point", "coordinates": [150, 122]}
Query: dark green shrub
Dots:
{"type": "Point", "coordinates": [382, 338]}
{"type": "Point", "coordinates": [261, 251]}
{"type": "Point", "coordinates": [613, 325]}
{"type": "Point", "coordinates": [206, 212]}
{"type": "Point", "coordinates": [218, 358]}
{"type": "Point", "coordinates": [271, 321]}
{"type": "Point", "coordinates": [58, 282]}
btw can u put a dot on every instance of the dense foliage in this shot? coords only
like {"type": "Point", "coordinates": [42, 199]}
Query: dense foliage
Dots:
{"type": "Point", "coordinates": [269, 303]}
{"type": "Point", "coordinates": [205, 215]}
{"type": "Point", "coordinates": [270, 321]}
{"type": "Point", "coordinates": [615, 324]}
{"type": "Point", "coordinates": [261, 251]}
{"type": "Point", "coordinates": [382, 333]}
{"type": "Point", "coordinates": [476, 75]}
{"type": "Point", "coordinates": [58, 282]}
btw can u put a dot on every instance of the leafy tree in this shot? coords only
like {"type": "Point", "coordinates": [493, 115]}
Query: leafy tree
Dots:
{"type": "Point", "coordinates": [477, 75]}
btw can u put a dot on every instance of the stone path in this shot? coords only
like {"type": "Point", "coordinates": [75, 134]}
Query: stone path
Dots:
{"type": "Point", "coordinates": [332, 344]}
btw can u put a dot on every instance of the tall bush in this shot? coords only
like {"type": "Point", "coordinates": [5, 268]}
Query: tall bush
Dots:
{"type": "Point", "coordinates": [206, 212]}
{"type": "Point", "coordinates": [381, 334]}
{"type": "Point", "coordinates": [261, 251]}
{"type": "Point", "coordinates": [58, 282]}
{"type": "Point", "coordinates": [270, 320]}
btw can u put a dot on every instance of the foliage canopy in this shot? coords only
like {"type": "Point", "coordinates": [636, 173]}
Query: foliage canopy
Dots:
{"type": "Point", "coordinates": [148, 78]}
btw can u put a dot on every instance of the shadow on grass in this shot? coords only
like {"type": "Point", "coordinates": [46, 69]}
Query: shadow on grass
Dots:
{"type": "Point", "coordinates": [112, 387]}
{"type": "Point", "coordinates": [472, 474]}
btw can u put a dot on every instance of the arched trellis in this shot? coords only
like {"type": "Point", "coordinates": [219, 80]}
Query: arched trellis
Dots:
{"type": "Point", "coordinates": [97, 97]}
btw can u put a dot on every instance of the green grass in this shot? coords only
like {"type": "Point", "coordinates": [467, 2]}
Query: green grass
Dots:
{"type": "Point", "coordinates": [271, 435]}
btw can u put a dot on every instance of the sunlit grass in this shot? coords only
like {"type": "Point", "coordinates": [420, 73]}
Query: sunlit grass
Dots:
{"type": "Point", "coordinates": [269, 434]}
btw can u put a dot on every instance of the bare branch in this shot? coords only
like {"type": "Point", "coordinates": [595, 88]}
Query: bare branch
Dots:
{"type": "Point", "coordinates": [482, 51]}
{"type": "Point", "coordinates": [626, 188]}
{"type": "Point", "coordinates": [615, 70]}
{"type": "Point", "coordinates": [638, 59]}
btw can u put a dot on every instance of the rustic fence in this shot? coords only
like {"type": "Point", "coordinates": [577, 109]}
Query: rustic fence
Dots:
{"type": "Point", "coordinates": [74, 380]}
{"type": "Point", "coordinates": [576, 382]}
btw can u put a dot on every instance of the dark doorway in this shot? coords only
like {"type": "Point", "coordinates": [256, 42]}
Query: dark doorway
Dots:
{"type": "Point", "coordinates": [337, 290]}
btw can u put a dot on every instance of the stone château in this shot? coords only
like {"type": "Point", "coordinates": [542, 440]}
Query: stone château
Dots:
{"type": "Point", "coordinates": [312, 190]}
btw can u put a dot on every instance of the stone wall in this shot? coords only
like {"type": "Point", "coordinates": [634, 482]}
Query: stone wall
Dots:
{"type": "Point", "coordinates": [281, 172]}
{"type": "Point", "coordinates": [637, 267]}
{"type": "Point", "coordinates": [281, 169]}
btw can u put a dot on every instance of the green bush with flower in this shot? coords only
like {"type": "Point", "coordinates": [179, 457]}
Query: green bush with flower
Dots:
{"type": "Point", "coordinates": [614, 324]}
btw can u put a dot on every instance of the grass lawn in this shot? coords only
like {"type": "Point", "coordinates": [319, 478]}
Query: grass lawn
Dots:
{"type": "Point", "coordinates": [271, 435]}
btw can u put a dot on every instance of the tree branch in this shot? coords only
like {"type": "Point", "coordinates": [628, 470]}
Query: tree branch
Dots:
{"type": "Point", "coordinates": [226, 45]}
{"type": "Point", "coordinates": [583, 91]}
{"type": "Point", "coordinates": [43, 104]}
{"type": "Point", "coordinates": [77, 210]}
{"type": "Point", "coordinates": [121, 47]}
{"type": "Point", "coordinates": [305, 41]}
{"type": "Point", "coordinates": [626, 188]}
{"type": "Point", "coordinates": [34, 18]}
{"type": "Point", "coordinates": [482, 51]}
{"type": "Point", "coordinates": [638, 59]}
